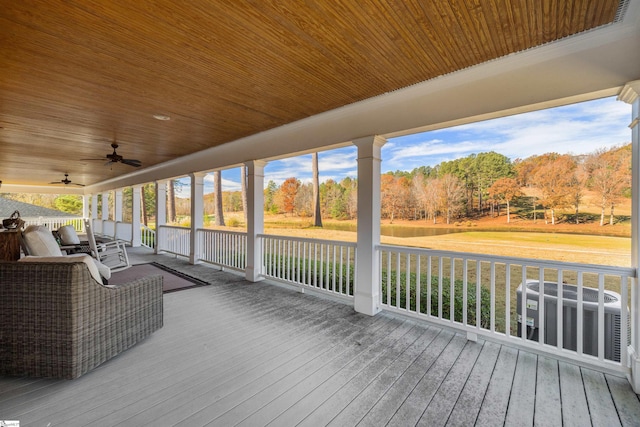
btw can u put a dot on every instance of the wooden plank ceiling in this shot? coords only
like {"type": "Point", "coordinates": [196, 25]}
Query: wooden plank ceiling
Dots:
{"type": "Point", "coordinates": [77, 75]}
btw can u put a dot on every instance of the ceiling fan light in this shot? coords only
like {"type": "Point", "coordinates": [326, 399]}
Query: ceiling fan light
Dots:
{"type": "Point", "coordinates": [162, 117]}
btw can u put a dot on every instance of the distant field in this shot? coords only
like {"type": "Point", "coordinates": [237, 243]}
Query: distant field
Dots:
{"type": "Point", "coordinates": [587, 242]}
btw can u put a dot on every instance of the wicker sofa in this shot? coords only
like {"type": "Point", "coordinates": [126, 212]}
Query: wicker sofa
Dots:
{"type": "Point", "coordinates": [57, 321]}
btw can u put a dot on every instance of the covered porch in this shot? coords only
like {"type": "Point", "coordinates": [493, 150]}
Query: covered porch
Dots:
{"type": "Point", "coordinates": [361, 332]}
{"type": "Point", "coordinates": [244, 353]}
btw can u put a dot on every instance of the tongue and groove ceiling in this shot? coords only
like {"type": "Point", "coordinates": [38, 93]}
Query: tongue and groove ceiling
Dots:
{"type": "Point", "coordinates": [77, 75]}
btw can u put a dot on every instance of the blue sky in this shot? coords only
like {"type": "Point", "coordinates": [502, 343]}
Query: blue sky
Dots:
{"type": "Point", "coordinates": [573, 129]}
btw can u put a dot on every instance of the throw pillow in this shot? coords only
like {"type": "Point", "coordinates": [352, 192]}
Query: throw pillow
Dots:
{"type": "Point", "coordinates": [68, 235]}
{"type": "Point", "coordinates": [39, 241]}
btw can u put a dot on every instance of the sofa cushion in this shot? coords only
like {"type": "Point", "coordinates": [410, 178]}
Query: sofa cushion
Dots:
{"type": "Point", "coordinates": [90, 262]}
{"type": "Point", "coordinates": [40, 242]}
{"type": "Point", "coordinates": [68, 235]}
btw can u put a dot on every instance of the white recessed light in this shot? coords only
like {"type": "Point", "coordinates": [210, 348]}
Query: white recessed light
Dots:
{"type": "Point", "coordinates": [162, 117]}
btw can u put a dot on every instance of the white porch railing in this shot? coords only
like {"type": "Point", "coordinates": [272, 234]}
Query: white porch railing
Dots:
{"type": "Point", "coordinates": [147, 237]}
{"type": "Point", "coordinates": [175, 240]}
{"type": "Point", "coordinates": [53, 223]}
{"type": "Point", "coordinates": [442, 287]}
{"type": "Point", "coordinates": [324, 265]}
{"type": "Point", "coordinates": [223, 248]}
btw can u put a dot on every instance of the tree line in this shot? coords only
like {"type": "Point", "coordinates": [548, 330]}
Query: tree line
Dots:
{"type": "Point", "coordinates": [473, 186]}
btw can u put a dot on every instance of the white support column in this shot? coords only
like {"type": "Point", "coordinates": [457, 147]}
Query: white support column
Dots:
{"type": "Point", "coordinates": [197, 214]}
{"type": "Point", "coordinates": [85, 205]}
{"type": "Point", "coordinates": [631, 95]}
{"type": "Point", "coordinates": [117, 212]}
{"type": "Point", "coordinates": [94, 206]}
{"type": "Point", "coordinates": [136, 238]}
{"type": "Point", "coordinates": [255, 218]}
{"type": "Point", "coordinates": [161, 210]}
{"type": "Point", "coordinates": [367, 281]}
{"type": "Point", "coordinates": [105, 206]}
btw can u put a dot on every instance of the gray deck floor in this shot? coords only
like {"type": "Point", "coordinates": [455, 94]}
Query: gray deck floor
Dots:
{"type": "Point", "coordinates": [237, 353]}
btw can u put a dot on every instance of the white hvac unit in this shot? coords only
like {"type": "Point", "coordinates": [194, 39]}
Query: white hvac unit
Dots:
{"type": "Point", "coordinates": [612, 316]}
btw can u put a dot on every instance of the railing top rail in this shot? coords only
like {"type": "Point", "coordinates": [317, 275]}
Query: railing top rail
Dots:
{"type": "Point", "coordinates": [175, 227]}
{"type": "Point", "coordinates": [308, 240]}
{"type": "Point", "coordinates": [52, 218]}
{"type": "Point", "coordinates": [212, 230]}
{"type": "Point", "coordinates": [560, 265]}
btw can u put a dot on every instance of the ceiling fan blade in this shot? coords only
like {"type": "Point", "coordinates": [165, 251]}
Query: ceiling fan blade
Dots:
{"type": "Point", "coordinates": [132, 162]}
{"type": "Point", "coordinates": [101, 158]}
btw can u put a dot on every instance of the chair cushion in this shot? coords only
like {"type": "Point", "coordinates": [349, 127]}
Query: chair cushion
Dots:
{"type": "Point", "coordinates": [68, 235]}
{"type": "Point", "coordinates": [90, 262]}
{"type": "Point", "coordinates": [40, 242]}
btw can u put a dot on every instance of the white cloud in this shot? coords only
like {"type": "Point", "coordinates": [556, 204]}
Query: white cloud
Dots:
{"type": "Point", "coordinates": [574, 129]}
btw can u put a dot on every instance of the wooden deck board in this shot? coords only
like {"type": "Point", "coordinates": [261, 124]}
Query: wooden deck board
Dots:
{"type": "Point", "coordinates": [496, 401]}
{"type": "Point", "coordinates": [439, 409]}
{"type": "Point", "coordinates": [523, 392]}
{"type": "Point", "coordinates": [548, 407]}
{"type": "Point", "coordinates": [575, 411]}
{"type": "Point", "coordinates": [468, 405]}
{"type": "Point", "coordinates": [625, 400]}
{"type": "Point", "coordinates": [601, 408]}
{"type": "Point", "coordinates": [253, 354]}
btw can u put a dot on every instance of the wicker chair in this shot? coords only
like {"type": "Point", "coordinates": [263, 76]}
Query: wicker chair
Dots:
{"type": "Point", "coordinates": [57, 321]}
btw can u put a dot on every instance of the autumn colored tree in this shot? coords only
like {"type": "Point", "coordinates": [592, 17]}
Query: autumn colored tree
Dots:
{"type": "Point", "coordinates": [304, 200]}
{"type": "Point", "coordinates": [418, 194]}
{"type": "Point", "coordinates": [577, 187]}
{"type": "Point", "coordinates": [609, 174]}
{"type": "Point", "coordinates": [395, 194]}
{"type": "Point", "coordinates": [505, 189]}
{"type": "Point", "coordinates": [287, 195]}
{"type": "Point", "coordinates": [553, 177]}
{"type": "Point", "coordinates": [452, 194]}
{"type": "Point", "coordinates": [432, 198]}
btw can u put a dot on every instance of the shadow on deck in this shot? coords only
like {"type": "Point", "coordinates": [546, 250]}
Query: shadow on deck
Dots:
{"type": "Point", "coordinates": [241, 353]}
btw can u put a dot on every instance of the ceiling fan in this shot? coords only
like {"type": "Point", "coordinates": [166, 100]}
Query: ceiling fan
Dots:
{"type": "Point", "coordinates": [66, 181]}
{"type": "Point", "coordinates": [117, 158]}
